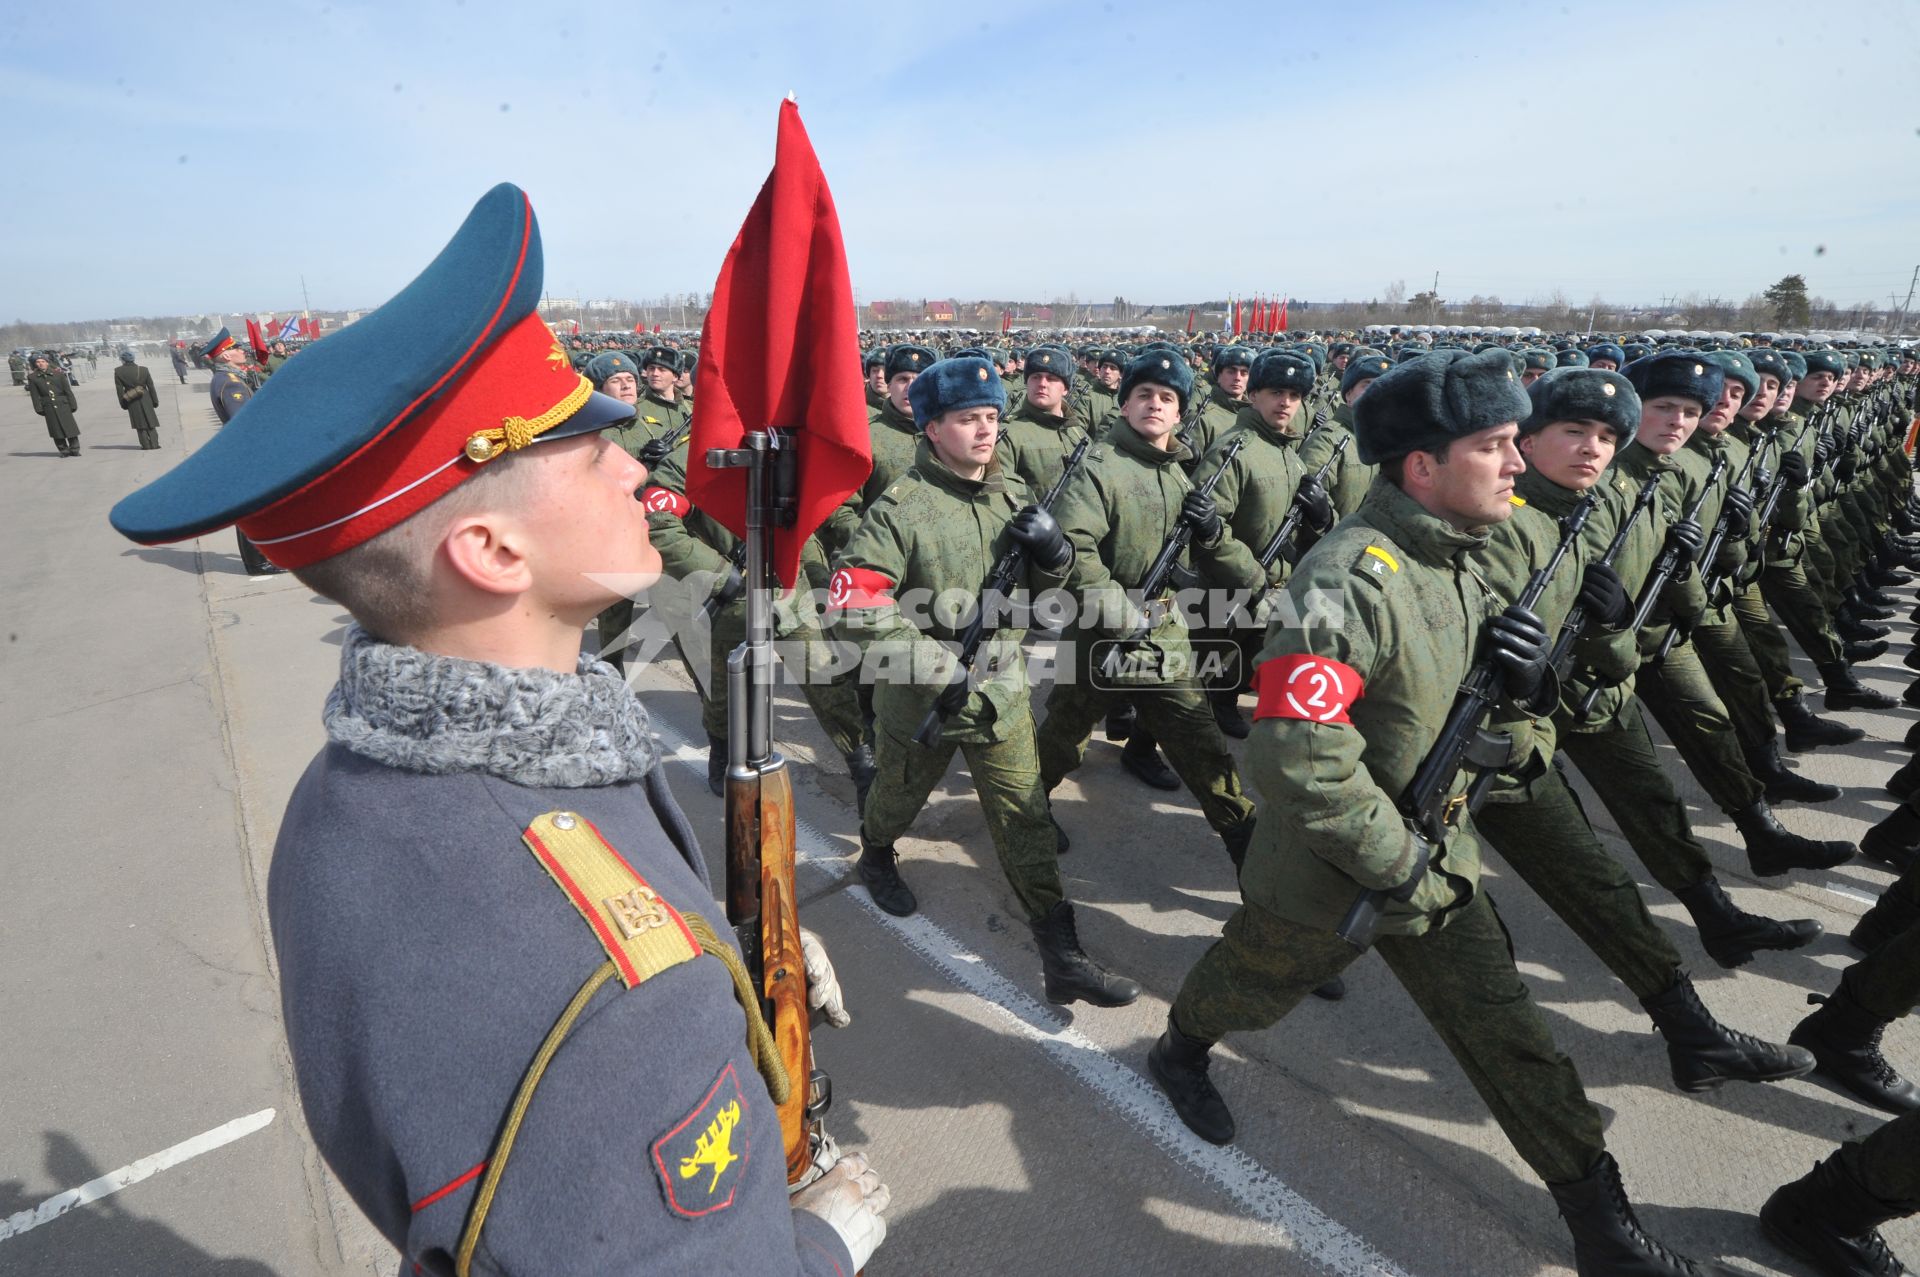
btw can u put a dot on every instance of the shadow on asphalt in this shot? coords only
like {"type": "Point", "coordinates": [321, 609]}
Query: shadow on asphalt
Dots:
{"type": "Point", "coordinates": [33, 454]}
{"type": "Point", "coordinates": [188, 560]}
{"type": "Point", "coordinates": [102, 1236]}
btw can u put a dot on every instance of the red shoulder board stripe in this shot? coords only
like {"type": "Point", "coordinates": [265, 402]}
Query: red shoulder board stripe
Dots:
{"type": "Point", "coordinates": [660, 500]}
{"type": "Point", "coordinates": [1310, 688]}
{"type": "Point", "coordinates": [857, 587]}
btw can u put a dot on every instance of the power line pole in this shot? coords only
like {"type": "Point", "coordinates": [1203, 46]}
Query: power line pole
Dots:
{"type": "Point", "coordinates": [1901, 322]}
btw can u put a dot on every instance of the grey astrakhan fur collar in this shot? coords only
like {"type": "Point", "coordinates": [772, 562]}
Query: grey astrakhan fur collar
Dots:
{"type": "Point", "coordinates": [421, 712]}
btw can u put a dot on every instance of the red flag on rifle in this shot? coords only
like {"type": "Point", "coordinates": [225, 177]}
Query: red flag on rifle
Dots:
{"type": "Point", "coordinates": [255, 341]}
{"type": "Point", "coordinates": [781, 348]}
{"type": "Point", "coordinates": [656, 330]}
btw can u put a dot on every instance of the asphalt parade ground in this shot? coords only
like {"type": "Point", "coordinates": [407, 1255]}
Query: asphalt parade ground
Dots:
{"type": "Point", "coordinates": [159, 706]}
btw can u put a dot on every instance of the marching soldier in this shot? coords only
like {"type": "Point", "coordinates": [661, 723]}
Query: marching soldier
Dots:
{"type": "Point", "coordinates": [134, 385]}
{"type": "Point", "coordinates": [941, 528]}
{"type": "Point", "coordinates": [661, 409]}
{"type": "Point", "coordinates": [52, 393]}
{"type": "Point", "coordinates": [1347, 712]}
{"type": "Point", "coordinates": [1350, 477]}
{"type": "Point", "coordinates": [1220, 403]}
{"type": "Point", "coordinates": [1118, 512]}
{"type": "Point", "coordinates": [1036, 437]}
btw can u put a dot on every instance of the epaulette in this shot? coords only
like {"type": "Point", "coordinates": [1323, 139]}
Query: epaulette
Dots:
{"type": "Point", "coordinates": [1518, 501]}
{"type": "Point", "coordinates": [1376, 564]}
{"type": "Point", "coordinates": [642, 934]}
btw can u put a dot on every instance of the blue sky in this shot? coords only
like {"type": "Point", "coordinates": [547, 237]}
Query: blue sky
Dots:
{"type": "Point", "coordinates": [162, 165]}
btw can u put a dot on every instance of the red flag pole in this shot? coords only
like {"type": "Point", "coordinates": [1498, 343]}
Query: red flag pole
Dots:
{"type": "Point", "coordinates": [1283, 315]}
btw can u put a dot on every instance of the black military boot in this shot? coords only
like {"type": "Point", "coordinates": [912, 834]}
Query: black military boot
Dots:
{"type": "Point", "coordinates": [1870, 604]}
{"type": "Point", "coordinates": [1730, 934]}
{"type": "Point", "coordinates": [1071, 975]}
{"type": "Point", "coordinates": [1861, 653]}
{"type": "Point", "coordinates": [1895, 841]}
{"type": "Point", "coordinates": [1829, 1219]}
{"type": "Point", "coordinates": [1807, 730]}
{"type": "Point", "coordinates": [1141, 756]}
{"type": "Point", "coordinates": [1911, 697]}
{"type": "Point", "coordinates": [1120, 721]}
{"type": "Point", "coordinates": [1226, 712]}
{"type": "Point", "coordinates": [1891, 914]}
{"type": "Point", "coordinates": [880, 870]}
{"type": "Point", "coordinates": [1607, 1239]}
{"type": "Point", "coordinates": [1855, 629]}
{"type": "Point", "coordinates": [1844, 691]}
{"type": "Point", "coordinates": [862, 768]}
{"type": "Point", "coordinates": [1844, 1038]}
{"type": "Point", "coordinates": [1772, 849]}
{"type": "Point", "coordinates": [1912, 659]}
{"type": "Point", "coordinates": [1912, 740]}
{"type": "Point", "coordinates": [1903, 782]}
{"type": "Point", "coordinates": [1884, 575]}
{"type": "Point", "coordinates": [1705, 1053]}
{"type": "Point", "coordinates": [1179, 1065]}
{"type": "Point", "coordinates": [1784, 785]}
{"type": "Point", "coordinates": [717, 765]}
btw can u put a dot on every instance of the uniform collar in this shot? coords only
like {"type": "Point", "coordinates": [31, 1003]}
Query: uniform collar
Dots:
{"type": "Point", "coordinates": [936, 472]}
{"type": "Point", "coordinates": [1544, 494]}
{"type": "Point", "coordinates": [1126, 439]}
{"type": "Point", "coordinates": [1426, 536]}
{"type": "Point", "coordinates": [897, 419]}
{"type": "Point", "coordinates": [1639, 462]}
{"type": "Point", "coordinates": [1253, 419]}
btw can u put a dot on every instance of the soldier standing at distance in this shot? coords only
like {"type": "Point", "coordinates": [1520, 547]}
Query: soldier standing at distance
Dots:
{"type": "Point", "coordinates": [134, 385]}
{"type": "Point", "coordinates": [940, 529]}
{"type": "Point", "coordinates": [1347, 713]}
{"type": "Point", "coordinates": [1037, 436]}
{"type": "Point", "coordinates": [52, 394]}
{"type": "Point", "coordinates": [178, 354]}
{"type": "Point", "coordinates": [229, 390]}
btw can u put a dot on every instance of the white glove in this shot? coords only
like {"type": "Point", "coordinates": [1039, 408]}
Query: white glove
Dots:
{"type": "Point", "coordinates": [823, 986]}
{"type": "Point", "coordinates": [852, 1199]}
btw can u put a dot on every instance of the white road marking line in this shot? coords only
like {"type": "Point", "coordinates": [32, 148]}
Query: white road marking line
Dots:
{"type": "Point", "coordinates": [1850, 893]}
{"type": "Point", "coordinates": [132, 1173]}
{"type": "Point", "coordinates": [1257, 1190]}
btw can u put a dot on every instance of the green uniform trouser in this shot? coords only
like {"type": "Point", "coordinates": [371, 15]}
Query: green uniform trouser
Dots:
{"type": "Point", "coordinates": [1686, 705]}
{"type": "Point", "coordinates": [1620, 763]}
{"type": "Point", "coordinates": [1722, 650]}
{"type": "Point", "coordinates": [1462, 978]}
{"type": "Point", "coordinates": [1551, 846]}
{"type": "Point", "coordinates": [828, 673]}
{"type": "Point", "coordinates": [1181, 721]}
{"type": "Point", "coordinates": [1787, 589]}
{"type": "Point", "coordinates": [1767, 643]}
{"type": "Point", "coordinates": [1843, 540]}
{"type": "Point", "coordinates": [1006, 774]}
{"type": "Point", "coordinates": [1816, 560]}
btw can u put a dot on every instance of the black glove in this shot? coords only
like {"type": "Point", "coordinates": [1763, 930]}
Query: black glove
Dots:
{"type": "Point", "coordinates": [730, 589]}
{"type": "Point", "coordinates": [1314, 503]}
{"type": "Point", "coordinates": [1738, 507]}
{"type": "Point", "coordinates": [1036, 529]}
{"type": "Point", "coordinates": [953, 697]}
{"type": "Point", "coordinates": [1794, 469]}
{"type": "Point", "coordinates": [1422, 854]}
{"type": "Point", "coordinates": [1762, 478]}
{"type": "Point", "coordinates": [1847, 466]}
{"type": "Point", "coordinates": [1731, 557]}
{"type": "Point", "coordinates": [1198, 512]}
{"type": "Point", "coordinates": [1520, 646]}
{"type": "Point", "coordinates": [1684, 539]}
{"type": "Point", "coordinates": [1822, 451]}
{"type": "Point", "coordinates": [1603, 597]}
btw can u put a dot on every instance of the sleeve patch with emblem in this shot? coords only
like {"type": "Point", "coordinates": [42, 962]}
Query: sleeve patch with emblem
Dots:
{"type": "Point", "coordinates": [660, 500]}
{"type": "Point", "coordinates": [703, 1158]}
{"type": "Point", "coordinates": [857, 587]}
{"type": "Point", "coordinates": [1312, 689]}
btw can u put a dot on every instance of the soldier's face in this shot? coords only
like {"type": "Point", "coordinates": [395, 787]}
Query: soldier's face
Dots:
{"type": "Point", "coordinates": [1607, 364]}
{"type": "Point", "coordinates": [1359, 388]}
{"type": "Point", "coordinates": [1473, 487]}
{"type": "Point", "coordinates": [1817, 387]}
{"type": "Point", "coordinates": [1109, 375]}
{"type": "Point", "coordinates": [1732, 395]}
{"type": "Point", "coordinates": [1232, 380]}
{"type": "Point", "coordinates": [965, 440]}
{"type": "Point", "coordinates": [1046, 391]}
{"type": "Point", "coordinates": [897, 391]}
{"type": "Point", "coordinates": [1762, 403]}
{"type": "Point", "coordinates": [1570, 453]}
{"type": "Point", "coordinates": [578, 521]}
{"type": "Point", "coordinates": [623, 387]}
{"type": "Point", "coordinates": [1785, 398]}
{"type": "Point", "coordinates": [1667, 422]}
{"type": "Point", "coordinates": [877, 378]}
{"type": "Point", "coordinates": [660, 380]}
{"type": "Point", "coordinates": [1153, 412]}
{"type": "Point", "coordinates": [1276, 407]}
{"type": "Point", "coordinates": [1532, 375]}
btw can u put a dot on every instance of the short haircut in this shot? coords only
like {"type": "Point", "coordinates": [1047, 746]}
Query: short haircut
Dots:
{"type": "Point", "coordinates": [1395, 468]}
{"type": "Point", "coordinates": [386, 582]}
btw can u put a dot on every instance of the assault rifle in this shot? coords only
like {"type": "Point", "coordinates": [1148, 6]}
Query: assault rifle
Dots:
{"type": "Point", "coordinates": [1711, 580]}
{"type": "Point", "coordinates": [1664, 569]}
{"type": "Point", "coordinates": [1290, 526]}
{"type": "Point", "coordinates": [654, 451]}
{"type": "Point", "coordinates": [1575, 624]}
{"type": "Point", "coordinates": [1177, 541]}
{"type": "Point", "coordinates": [762, 905]}
{"type": "Point", "coordinates": [1000, 581]}
{"type": "Point", "coordinates": [1463, 741]}
{"type": "Point", "coordinates": [1775, 490]}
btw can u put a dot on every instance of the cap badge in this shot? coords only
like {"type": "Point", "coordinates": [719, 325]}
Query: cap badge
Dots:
{"type": "Point", "coordinates": [1607, 389]}
{"type": "Point", "coordinates": [1699, 371]}
{"type": "Point", "coordinates": [1165, 364]}
{"type": "Point", "coordinates": [981, 373]}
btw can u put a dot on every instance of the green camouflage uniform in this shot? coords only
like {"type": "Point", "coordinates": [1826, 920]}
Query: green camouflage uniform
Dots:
{"type": "Point", "coordinates": [1411, 610]}
{"type": "Point", "coordinates": [1785, 584]}
{"type": "Point", "coordinates": [933, 532]}
{"type": "Point", "coordinates": [1118, 511]}
{"type": "Point", "coordinates": [896, 441]}
{"type": "Point", "coordinates": [1035, 446]}
{"type": "Point", "coordinates": [695, 548]}
{"type": "Point", "coordinates": [1348, 481]}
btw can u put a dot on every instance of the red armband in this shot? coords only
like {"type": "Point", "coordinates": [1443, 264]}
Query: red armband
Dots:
{"type": "Point", "coordinates": [660, 500]}
{"type": "Point", "coordinates": [1310, 688]}
{"type": "Point", "coordinates": [857, 587]}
